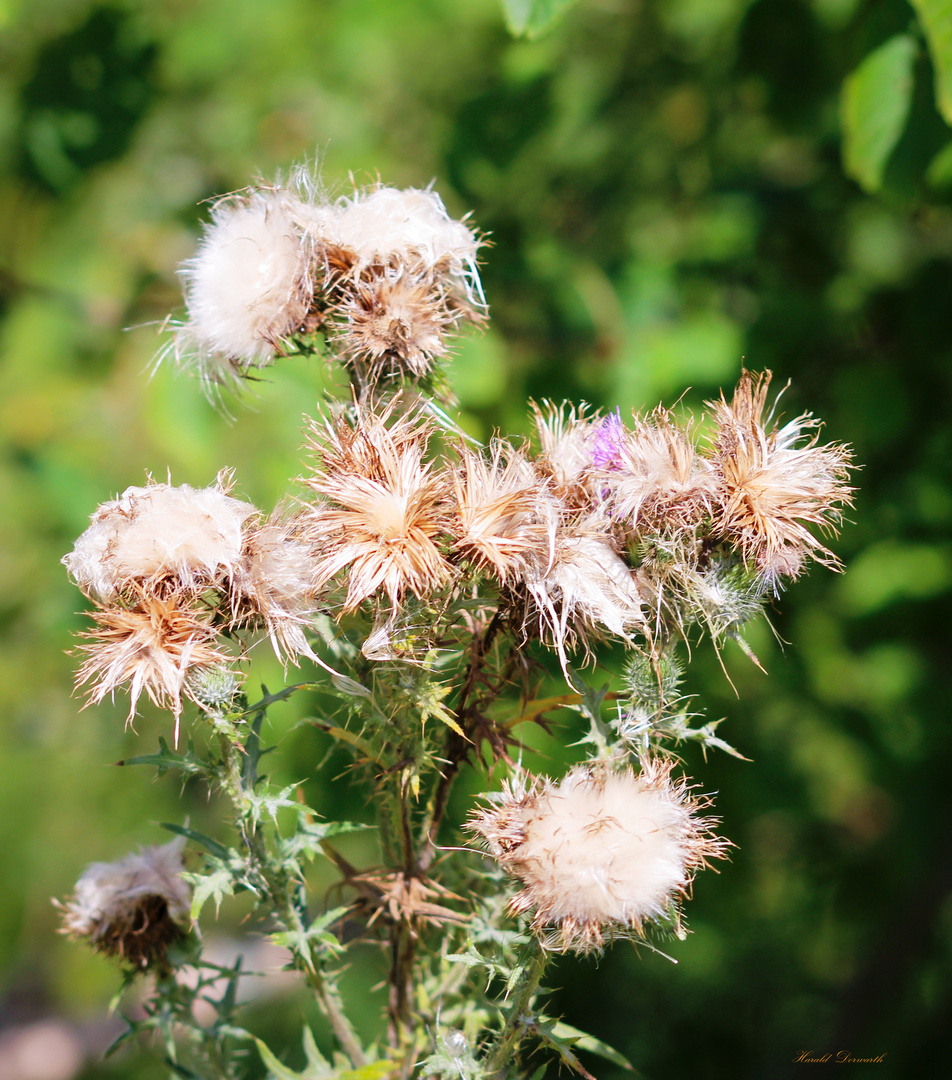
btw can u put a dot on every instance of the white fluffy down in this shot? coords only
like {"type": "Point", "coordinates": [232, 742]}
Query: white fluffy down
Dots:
{"type": "Point", "coordinates": [194, 534]}
{"type": "Point", "coordinates": [248, 285]}
{"type": "Point", "coordinates": [108, 892]}
{"type": "Point", "coordinates": [413, 222]}
{"type": "Point", "coordinates": [604, 850]}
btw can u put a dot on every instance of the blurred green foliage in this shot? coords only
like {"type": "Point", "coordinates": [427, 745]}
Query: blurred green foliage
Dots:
{"type": "Point", "coordinates": [664, 189]}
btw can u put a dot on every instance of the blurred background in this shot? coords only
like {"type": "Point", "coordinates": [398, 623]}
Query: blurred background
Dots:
{"type": "Point", "coordinates": [663, 186]}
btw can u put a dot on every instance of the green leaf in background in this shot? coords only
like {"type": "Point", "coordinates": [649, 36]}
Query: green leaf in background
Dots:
{"type": "Point", "coordinates": [875, 106]}
{"type": "Point", "coordinates": [533, 17]}
{"type": "Point", "coordinates": [936, 19]}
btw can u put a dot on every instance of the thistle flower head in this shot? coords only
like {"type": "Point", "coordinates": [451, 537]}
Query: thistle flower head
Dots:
{"type": "Point", "coordinates": [248, 285]}
{"type": "Point", "coordinates": [588, 591]}
{"type": "Point", "coordinates": [656, 479]}
{"type": "Point", "coordinates": [602, 853]}
{"type": "Point", "coordinates": [387, 225]}
{"type": "Point", "coordinates": [134, 908]}
{"type": "Point", "coordinates": [381, 510]}
{"type": "Point", "coordinates": [394, 322]}
{"type": "Point", "coordinates": [568, 439]}
{"type": "Point", "coordinates": [776, 483]}
{"type": "Point", "coordinates": [160, 537]}
{"type": "Point", "coordinates": [505, 520]}
{"type": "Point", "coordinates": [276, 583]}
{"type": "Point", "coordinates": [153, 647]}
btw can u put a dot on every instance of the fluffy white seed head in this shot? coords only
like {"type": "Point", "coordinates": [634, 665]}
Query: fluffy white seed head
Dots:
{"type": "Point", "coordinates": [410, 225]}
{"type": "Point", "coordinates": [133, 908]}
{"type": "Point", "coordinates": [600, 853]}
{"type": "Point", "coordinates": [160, 533]}
{"type": "Point", "coordinates": [249, 283]}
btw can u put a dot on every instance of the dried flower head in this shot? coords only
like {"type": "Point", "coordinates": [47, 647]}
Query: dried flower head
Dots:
{"type": "Point", "coordinates": [588, 591]}
{"type": "Point", "coordinates": [601, 853]}
{"type": "Point", "coordinates": [395, 322]}
{"type": "Point", "coordinates": [655, 479]}
{"type": "Point", "coordinates": [160, 538]}
{"type": "Point", "coordinates": [276, 584]}
{"type": "Point", "coordinates": [568, 440]}
{"type": "Point", "coordinates": [152, 647]}
{"type": "Point", "coordinates": [382, 507]}
{"type": "Point", "coordinates": [505, 519]}
{"type": "Point", "coordinates": [248, 285]}
{"type": "Point", "coordinates": [775, 483]}
{"type": "Point", "coordinates": [134, 908]}
{"type": "Point", "coordinates": [386, 225]}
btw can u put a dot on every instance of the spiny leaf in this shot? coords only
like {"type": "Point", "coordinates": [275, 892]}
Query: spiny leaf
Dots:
{"type": "Point", "coordinates": [219, 883]}
{"type": "Point", "coordinates": [591, 1044]}
{"type": "Point", "coordinates": [166, 759]}
{"type": "Point", "coordinates": [875, 106]}
{"type": "Point", "coordinates": [218, 850]}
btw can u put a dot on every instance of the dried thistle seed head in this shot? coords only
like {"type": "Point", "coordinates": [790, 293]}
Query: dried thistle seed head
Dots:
{"type": "Point", "coordinates": [248, 285]}
{"type": "Point", "coordinates": [410, 226]}
{"type": "Point", "coordinates": [568, 440]}
{"type": "Point", "coordinates": [160, 537]}
{"type": "Point", "coordinates": [774, 484]}
{"type": "Point", "coordinates": [601, 853]}
{"type": "Point", "coordinates": [505, 520]}
{"type": "Point", "coordinates": [382, 508]}
{"type": "Point", "coordinates": [276, 584]}
{"type": "Point", "coordinates": [587, 592]}
{"type": "Point", "coordinates": [151, 647]}
{"type": "Point", "coordinates": [395, 322]}
{"type": "Point", "coordinates": [134, 908]}
{"type": "Point", "coordinates": [655, 479]}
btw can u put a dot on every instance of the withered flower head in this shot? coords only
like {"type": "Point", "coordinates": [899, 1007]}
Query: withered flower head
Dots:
{"type": "Point", "coordinates": [656, 479]}
{"type": "Point", "coordinates": [587, 592]}
{"type": "Point", "coordinates": [568, 439]}
{"type": "Point", "coordinates": [602, 853]}
{"type": "Point", "coordinates": [152, 647]}
{"type": "Point", "coordinates": [776, 482]}
{"type": "Point", "coordinates": [394, 322]}
{"type": "Point", "coordinates": [248, 285]}
{"type": "Point", "coordinates": [133, 909]}
{"type": "Point", "coordinates": [276, 584]}
{"type": "Point", "coordinates": [412, 227]}
{"type": "Point", "coordinates": [160, 538]}
{"type": "Point", "coordinates": [382, 507]}
{"type": "Point", "coordinates": [505, 519]}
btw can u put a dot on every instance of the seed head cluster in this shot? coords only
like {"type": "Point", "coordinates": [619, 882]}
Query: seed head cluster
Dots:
{"type": "Point", "coordinates": [387, 276]}
{"type": "Point", "coordinates": [600, 854]}
{"type": "Point", "coordinates": [133, 909]}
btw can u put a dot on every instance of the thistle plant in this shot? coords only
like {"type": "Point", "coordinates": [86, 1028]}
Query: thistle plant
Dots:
{"type": "Point", "coordinates": [421, 579]}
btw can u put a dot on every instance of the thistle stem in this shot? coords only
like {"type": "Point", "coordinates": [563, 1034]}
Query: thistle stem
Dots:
{"type": "Point", "coordinates": [519, 1019]}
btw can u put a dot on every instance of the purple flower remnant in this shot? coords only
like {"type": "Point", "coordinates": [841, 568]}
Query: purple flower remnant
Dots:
{"type": "Point", "coordinates": [606, 454]}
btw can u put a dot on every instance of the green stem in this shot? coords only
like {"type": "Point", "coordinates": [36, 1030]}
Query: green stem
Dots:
{"type": "Point", "coordinates": [519, 1018]}
{"type": "Point", "coordinates": [279, 888]}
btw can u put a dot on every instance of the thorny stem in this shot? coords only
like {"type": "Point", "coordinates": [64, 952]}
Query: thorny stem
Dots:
{"type": "Point", "coordinates": [279, 891]}
{"type": "Point", "coordinates": [457, 746]}
{"type": "Point", "coordinates": [519, 1018]}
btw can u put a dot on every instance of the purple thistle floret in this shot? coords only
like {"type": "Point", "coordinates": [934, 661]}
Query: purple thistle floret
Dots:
{"type": "Point", "coordinates": [606, 453]}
